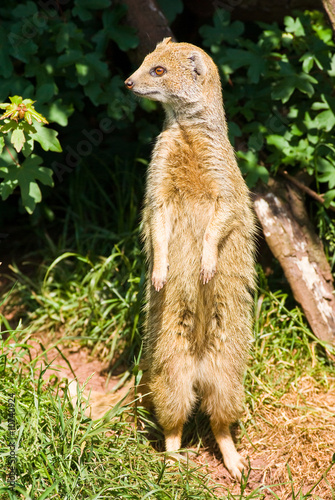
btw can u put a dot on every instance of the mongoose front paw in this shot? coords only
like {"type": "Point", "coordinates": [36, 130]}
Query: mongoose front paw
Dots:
{"type": "Point", "coordinates": [159, 278]}
{"type": "Point", "coordinates": [207, 271]}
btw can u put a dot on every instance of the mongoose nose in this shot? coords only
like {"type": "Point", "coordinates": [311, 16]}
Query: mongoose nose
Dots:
{"type": "Point", "coordinates": [129, 83]}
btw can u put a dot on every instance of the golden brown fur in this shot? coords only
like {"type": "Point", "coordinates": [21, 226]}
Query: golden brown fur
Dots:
{"type": "Point", "coordinates": [199, 242]}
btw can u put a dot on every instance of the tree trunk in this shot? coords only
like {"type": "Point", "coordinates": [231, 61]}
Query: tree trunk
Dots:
{"type": "Point", "coordinates": [293, 241]}
{"type": "Point", "coordinates": [150, 24]}
{"type": "Point", "coordinates": [329, 6]}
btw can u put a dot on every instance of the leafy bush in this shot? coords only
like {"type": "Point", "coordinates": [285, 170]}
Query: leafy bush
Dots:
{"type": "Point", "coordinates": [57, 55]}
{"type": "Point", "coordinates": [278, 88]}
{"type": "Point", "coordinates": [277, 85]}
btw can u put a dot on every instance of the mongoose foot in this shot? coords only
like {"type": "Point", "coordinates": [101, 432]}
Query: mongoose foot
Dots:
{"type": "Point", "coordinates": [159, 278]}
{"type": "Point", "coordinates": [235, 464]}
{"type": "Point", "coordinates": [233, 461]}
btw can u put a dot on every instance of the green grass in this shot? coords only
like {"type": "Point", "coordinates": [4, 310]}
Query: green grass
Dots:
{"type": "Point", "coordinates": [98, 298]}
{"type": "Point", "coordinates": [63, 454]}
{"type": "Point", "coordinates": [85, 282]}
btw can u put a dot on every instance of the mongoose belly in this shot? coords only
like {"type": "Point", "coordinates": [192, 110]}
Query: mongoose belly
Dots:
{"type": "Point", "coordinates": [201, 318]}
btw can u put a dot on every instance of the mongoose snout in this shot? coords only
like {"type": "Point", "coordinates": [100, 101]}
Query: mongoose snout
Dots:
{"type": "Point", "coordinates": [129, 84]}
{"type": "Point", "coordinates": [197, 222]}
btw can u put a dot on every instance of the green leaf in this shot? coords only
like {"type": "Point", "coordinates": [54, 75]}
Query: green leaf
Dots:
{"type": "Point", "coordinates": [69, 37]}
{"type": "Point", "coordinates": [25, 176]}
{"type": "Point", "coordinates": [326, 171]}
{"type": "Point", "coordinates": [15, 85]}
{"type": "Point", "coordinates": [308, 62]}
{"type": "Point", "coordinates": [286, 86]}
{"type": "Point", "coordinates": [101, 40]}
{"type": "Point", "coordinates": [21, 44]}
{"type": "Point", "coordinates": [25, 10]}
{"type": "Point", "coordinates": [123, 35]}
{"type": "Point", "coordinates": [171, 8]}
{"type": "Point", "coordinates": [271, 36]}
{"type": "Point", "coordinates": [278, 141]}
{"type": "Point", "coordinates": [45, 92]}
{"type": "Point", "coordinates": [16, 99]}
{"type": "Point", "coordinates": [223, 29]}
{"type": "Point", "coordinates": [253, 59]}
{"type": "Point", "coordinates": [2, 143]}
{"type": "Point", "coordinates": [47, 138]}
{"type": "Point", "coordinates": [69, 59]}
{"type": "Point", "coordinates": [320, 105]}
{"type": "Point", "coordinates": [18, 139]}
{"type": "Point", "coordinates": [304, 83]}
{"type": "Point", "coordinates": [323, 165]}
{"type": "Point", "coordinates": [28, 147]}
{"type": "Point", "coordinates": [82, 8]}
{"type": "Point", "coordinates": [329, 197]}
{"type": "Point", "coordinates": [59, 112]}
{"type": "Point", "coordinates": [94, 91]}
{"type": "Point", "coordinates": [256, 141]}
{"type": "Point", "coordinates": [91, 69]}
{"type": "Point", "coordinates": [250, 167]}
{"type": "Point", "coordinates": [283, 89]}
{"type": "Point", "coordinates": [326, 120]}
{"type": "Point", "coordinates": [294, 26]}
{"type": "Point", "coordinates": [331, 71]}
{"type": "Point", "coordinates": [233, 131]}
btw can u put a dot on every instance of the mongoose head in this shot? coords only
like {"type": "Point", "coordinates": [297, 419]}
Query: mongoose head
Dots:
{"type": "Point", "coordinates": [176, 74]}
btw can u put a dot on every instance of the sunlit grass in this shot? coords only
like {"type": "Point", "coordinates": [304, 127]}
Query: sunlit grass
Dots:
{"type": "Point", "coordinates": [86, 284]}
{"type": "Point", "coordinates": [63, 454]}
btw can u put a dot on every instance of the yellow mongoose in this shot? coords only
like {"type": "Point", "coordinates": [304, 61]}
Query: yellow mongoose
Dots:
{"type": "Point", "coordinates": [199, 241]}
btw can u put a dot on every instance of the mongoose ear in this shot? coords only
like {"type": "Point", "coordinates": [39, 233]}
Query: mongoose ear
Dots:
{"type": "Point", "coordinates": [164, 41]}
{"type": "Point", "coordinates": [198, 64]}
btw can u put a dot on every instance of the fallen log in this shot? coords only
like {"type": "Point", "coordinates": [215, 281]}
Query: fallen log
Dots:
{"type": "Point", "coordinates": [292, 239]}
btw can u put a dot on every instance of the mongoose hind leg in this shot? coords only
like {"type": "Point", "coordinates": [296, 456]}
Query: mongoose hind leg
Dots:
{"type": "Point", "coordinates": [173, 438]}
{"type": "Point", "coordinates": [223, 402]}
{"type": "Point", "coordinates": [172, 409]}
{"type": "Point", "coordinates": [173, 394]}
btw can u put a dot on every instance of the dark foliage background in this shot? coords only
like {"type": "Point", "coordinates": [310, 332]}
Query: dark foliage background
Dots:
{"type": "Point", "coordinates": [72, 57]}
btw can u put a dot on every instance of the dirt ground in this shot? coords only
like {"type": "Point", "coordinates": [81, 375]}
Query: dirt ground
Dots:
{"type": "Point", "coordinates": [298, 429]}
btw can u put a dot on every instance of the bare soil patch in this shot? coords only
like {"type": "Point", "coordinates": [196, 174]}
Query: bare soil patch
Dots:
{"type": "Point", "coordinates": [298, 430]}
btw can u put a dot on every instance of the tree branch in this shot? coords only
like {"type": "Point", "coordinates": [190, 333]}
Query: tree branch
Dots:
{"type": "Point", "coordinates": [306, 189]}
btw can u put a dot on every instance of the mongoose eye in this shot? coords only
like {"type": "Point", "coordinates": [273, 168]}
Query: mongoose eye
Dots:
{"type": "Point", "coordinates": [158, 71]}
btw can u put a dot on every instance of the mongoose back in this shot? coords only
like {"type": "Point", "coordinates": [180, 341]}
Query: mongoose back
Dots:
{"type": "Point", "coordinates": [199, 242]}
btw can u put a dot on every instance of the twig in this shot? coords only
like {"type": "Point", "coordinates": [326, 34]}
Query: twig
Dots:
{"type": "Point", "coordinates": [306, 189]}
{"type": "Point", "coordinates": [12, 157]}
